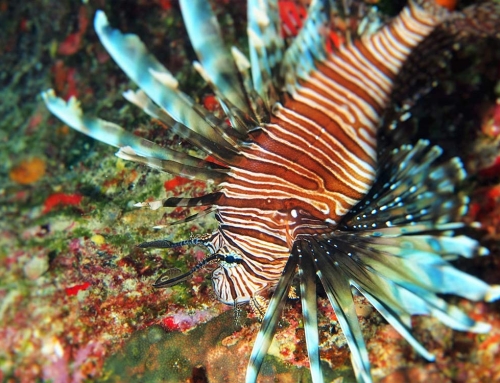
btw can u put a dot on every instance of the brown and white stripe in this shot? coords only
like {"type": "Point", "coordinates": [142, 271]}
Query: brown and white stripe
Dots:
{"type": "Point", "coordinates": [316, 158]}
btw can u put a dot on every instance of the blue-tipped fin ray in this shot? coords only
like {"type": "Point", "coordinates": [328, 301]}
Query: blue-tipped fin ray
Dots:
{"type": "Point", "coordinates": [152, 77]}
{"type": "Point", "coordinates": [131, 147]}
{"type": "Point", "coordinates": [217, 61]}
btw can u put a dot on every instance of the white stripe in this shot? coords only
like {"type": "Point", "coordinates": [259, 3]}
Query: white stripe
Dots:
{"type": "Point", "coordinates": [379, 53]}
{"type": "Point", "coordinates": [355, 70]}
{"type": "Point", "coordinates": [359, 185]}
{"type": "Point", "coordinates": [410, 38]}
{"type": "Point", "coordinates": [349, 130]}
{"type": "Point", "coordinates": [369, 69]}
{"type": "Point", "coordinates": [386, 43]}
{"type": "Point", "coordinates": [335, 65]}
{"type": "Point", "coordinates": [403, 50]}
{"type": "Point", "coordinates": [360, 111]}
{"type": "Point", "coordinates": [270, 189]}
{"type": "Point", "coordinates": [353, 162]}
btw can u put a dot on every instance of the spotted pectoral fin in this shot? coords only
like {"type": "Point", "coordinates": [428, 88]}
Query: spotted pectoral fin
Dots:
{"type": "Point", "coordinates": [397, 317]}
{"type": "Point", "coordinates": [400, 298]}
{"type": "Point", "coordinates": [394, 246]}
{"type": "Point", "coordinates": [408, 226]}
{"type": "Point", "coordinates": [411, 188]}
{"type": "Point", "coordinates": [417, 267]}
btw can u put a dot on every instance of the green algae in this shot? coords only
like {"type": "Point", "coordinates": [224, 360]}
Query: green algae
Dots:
{"type": "Point", "coordinates": [155, 355]}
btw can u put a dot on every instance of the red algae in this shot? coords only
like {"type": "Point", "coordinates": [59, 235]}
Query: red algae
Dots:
{"type": "Point", "coordinates": [175, 183]}
{"type": "Point", "coordinates": [74, 290]}
{"type": "Point", "coordinates": [292, 16]}
{"type": "Point", "coordinates": [211, 103]}
{"type": "Point", "coordinates": [73, 42]}
{"type": "Point", "coordinates": [61, 199]}
{"type": "Point", "coordinates": [449, 4]}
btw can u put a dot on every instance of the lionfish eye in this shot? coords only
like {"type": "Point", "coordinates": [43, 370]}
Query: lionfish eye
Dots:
{"type": "Point", "coordinates": [232, 259]}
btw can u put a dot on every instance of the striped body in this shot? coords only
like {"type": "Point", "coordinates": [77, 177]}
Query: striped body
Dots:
{"type": "Point", "coordinates": [314, 160]}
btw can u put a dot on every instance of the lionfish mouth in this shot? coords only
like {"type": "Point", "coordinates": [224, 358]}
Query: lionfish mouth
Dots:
{"type": "Point", "coordinates": [309, 180]}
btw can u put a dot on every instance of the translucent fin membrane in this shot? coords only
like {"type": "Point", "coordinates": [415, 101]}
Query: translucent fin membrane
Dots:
{"type": "Point", "coordinates": [394, 247]}
{"type": "Point", "coordinates": [338, 289]}
{"type": "Point", "coordinates": [261, 112]}
{"type": "Point", "coordinates": [140, 99]}
{"type": "Point", "coordinates": [400, 268]}
{"type": "Point", "coordinates": [191, 172]}
{"type": "Point", "coordinates": [310, 314]}
{"type": "Point", "coordinates": [397, 292]}
{"type": "Point", "coordinates": [417, 260]}
{"type": "Point", "coordinates": [216, 60]}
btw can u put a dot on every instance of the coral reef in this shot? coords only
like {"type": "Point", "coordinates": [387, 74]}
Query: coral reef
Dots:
{"type": "Point", "coordinates": [76, 302]}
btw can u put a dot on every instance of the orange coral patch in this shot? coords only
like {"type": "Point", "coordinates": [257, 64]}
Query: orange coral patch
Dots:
{"type": "Point", "coordinates": [450, 4]}
{"type": "Point", "coordinates": [28, 171]}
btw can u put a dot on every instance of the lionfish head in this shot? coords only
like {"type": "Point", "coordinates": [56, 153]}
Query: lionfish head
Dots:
{"type": "Point", "coordinates": [310, 181]}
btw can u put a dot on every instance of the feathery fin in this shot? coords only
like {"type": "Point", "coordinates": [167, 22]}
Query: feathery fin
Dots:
{"type": "Point", "coordinates": [266, 48]}
{"type": "Point", "coordinates": [215, 58]}
{"type": "Point", "coordinates": [152, 77]}
{"type": "Point", "coordinates": [114, 135]}
{"type": "Point", "coordinates": [190, 172]}
{"type": "Point", "coordinates": [141, 100]}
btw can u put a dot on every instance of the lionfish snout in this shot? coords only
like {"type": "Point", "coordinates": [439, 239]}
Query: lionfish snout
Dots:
{"type": "Point", "coordinates": [309, 180]}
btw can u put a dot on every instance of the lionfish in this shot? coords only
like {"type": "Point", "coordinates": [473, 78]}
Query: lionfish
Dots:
{"type": "Point", "coordinates": [305, 184]}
